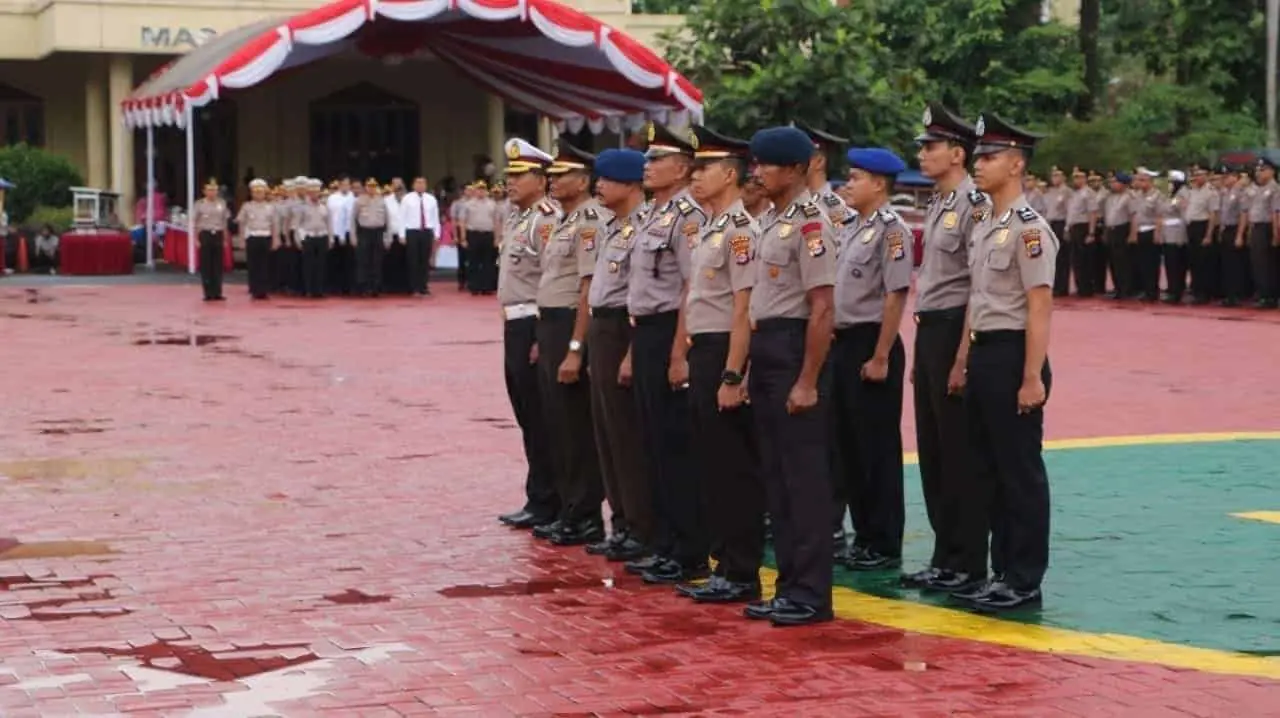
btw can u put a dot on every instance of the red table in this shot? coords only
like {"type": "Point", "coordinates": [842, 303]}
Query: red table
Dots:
{"type": "Point", "coordinates": [98, 252]}
{"type": "Point", "coordinates": [175, 249]}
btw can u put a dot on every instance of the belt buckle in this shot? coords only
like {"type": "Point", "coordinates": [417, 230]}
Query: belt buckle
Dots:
{"type": "Point", "coordinates": [973, 337]}
{"type": "Point", "coordinates": [916, 316]}
{"type": "Point", "coordinates": [632, 319]}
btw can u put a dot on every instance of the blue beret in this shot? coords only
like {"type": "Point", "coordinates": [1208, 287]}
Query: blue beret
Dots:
{"type": "Point", "coordinates": [876, 160]}
{"type": "Point", "coordinates": [620, 165]}
{"type": "Point", "coordinates": [1123, 178]}
{"type": "Point", "coordinates": [781, 146]}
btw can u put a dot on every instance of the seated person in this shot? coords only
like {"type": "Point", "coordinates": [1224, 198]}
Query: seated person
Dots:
{"type": "Point", "coordinates": [44, 255]}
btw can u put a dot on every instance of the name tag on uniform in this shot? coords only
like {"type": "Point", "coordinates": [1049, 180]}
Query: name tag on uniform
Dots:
{"type": "Point", "coordinates": [520, 311]}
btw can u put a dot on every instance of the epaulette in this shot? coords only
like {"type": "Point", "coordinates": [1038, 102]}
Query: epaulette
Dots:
{"type": "Point", "coordinates": [830, 199]}
{"type": "Point", "coordinates": [572, 218]}
{"type": "Point", "coordinates": [810, 209]}
{"type": "Point", "coordinates": [741, 219]}
{"type": "Point", "coordinates": [685, 206]}
{"type": "Point", "coordinates": [849, 218]}
{"type": "Point", "coordinates": [888, 216]}
{"type": "Point", "coordinates": [1026, 214]}
{"type": "Point", "coordinates": [720, 223]}
{"type": "Point", "coordinates": [546, 208]}
{"type": "Point", "coordinates": [591, 214]}
{"type": "Point", "coordinates": [977, 197]}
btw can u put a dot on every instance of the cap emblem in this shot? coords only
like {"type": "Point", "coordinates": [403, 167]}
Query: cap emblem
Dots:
{"type": "Point", "coordinates": [980, 128]}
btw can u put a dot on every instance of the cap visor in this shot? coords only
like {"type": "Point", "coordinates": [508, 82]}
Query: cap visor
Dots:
{"type": "Point", "coordinates": [930, 137]}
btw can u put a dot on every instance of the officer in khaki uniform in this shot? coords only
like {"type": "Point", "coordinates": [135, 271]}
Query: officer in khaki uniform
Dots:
{"type": "Point", "coordinates": [659, 347]}
{"type": "Point", "coordinates": [369, 227]}
{"type": "Point", "coordinates": [619, 174]}
{"type": "Point", "coordinates": [257, 224]}
{"type": "Point", "coordinates": [480, 217]}
{"type": "Point", "coordinates": [1264, 242]}
{"type": "Point", "coordinates": [956, 513]}
{"type": "Point", "coordinates": [792, 312]}
{"type": "Point", "coordinates": [1200, 213]}
{"type": "Point", "coordinates": [315, 233]}
{"type": "Point", "coordinates": [1082, 239]}
{"type": "Point", "coordinates": [568, 261]}
{"type": "Point", "coordinates": [1057, 197]}
{"type": "Point", "coordinates": [289, 255]}
{"type": "Point", "coordinates": [1147, 203]}
{"type": "Point", "coordinates": [1012, 257]}
{"type": "Point", "coordinates": [717, 315]}
{"type": "Point", "coordinates": [210, 216]}
{"type": "Point", "coordinates": [1122, 236]}
{"type": "Point", "coordinates": [526, 237]}
{"type": "Point", "coordinates": [1232, 245]}
{"type": "Point", "coordinates": [869, 361]}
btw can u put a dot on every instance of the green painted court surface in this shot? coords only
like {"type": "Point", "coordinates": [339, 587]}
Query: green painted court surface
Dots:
{"type": "Point", "coordinates": [1144, 544]}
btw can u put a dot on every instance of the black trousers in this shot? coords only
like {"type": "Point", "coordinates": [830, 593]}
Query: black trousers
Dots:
{"type": "Point", "coordinates": [1101, 257]}
{"type": "Point", "coordinates": [315, 250]}
{"type": "Point", "coordinates": [794, 461]}
{"type": "Point", "coordinates": [518, 337]}
{"type": "Point", "coordinates": [1204, 261]}
{"type": "Point", "coordinates": [1147, 265]}
{"type": "Point", "coordinates": [1121, 255]}
{"type": "Point", "coordinates": [257, 252]}
{"type": "Point", "coordinates": [728, 459]}
{"type": "Point", "coordinates": [418, 258]}
{"type": "Point", "coordinates": [1062, 270]}
{"type": "Point", "coordinates": [616, 424]}
{"type": "Point", "coordinates": [211, 255]}
{"type": "Point", "coordinates": [1009, 458]}
{"type": "Point", "coordinates": [1082, 256]}
{"type": "Point", "coordinates": [957, 510]}
{"type": "Point", "coordinates": [464, 255]}
{"type": "Point", "coordinates": [1175, 270]}
{"type": "Point", "coordinates": [288, 266]}
{"type": "Point", "coordinates": [665, 426]}
{"type": "Point", "coordinates": [482, 262]}
{"type": "Point", "coordinates": [1237, 284]}
{"type": "Point", "coordinates": [869, 433]}
{"type": "Point", "coordinates": [567, 408]}
{"type": "Point", "coordinates": [1263, 261]}
{"type": "Point", "coordinates": [370, 252]}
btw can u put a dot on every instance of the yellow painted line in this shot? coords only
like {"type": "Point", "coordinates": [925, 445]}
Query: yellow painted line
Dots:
{"type": "Point", "coordinates": [1271, 517]}
{"type": "Point", "coordinates": [951, 623]}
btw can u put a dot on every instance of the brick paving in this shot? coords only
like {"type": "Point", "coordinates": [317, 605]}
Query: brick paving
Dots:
{"type": "Point", "coordinates": [288, 508]}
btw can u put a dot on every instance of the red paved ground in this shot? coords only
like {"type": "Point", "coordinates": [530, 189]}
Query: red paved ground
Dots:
{"type": "Point", "coordinates": [324, 481]}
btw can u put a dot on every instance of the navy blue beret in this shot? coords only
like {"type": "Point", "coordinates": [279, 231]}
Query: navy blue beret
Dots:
{"type": "Point", "coordinates": [1123, 178]}
{"type": "Point", "coordinates": [781, 146]}
{"type": "Point", "coordinates": [620, 165]}
{"type": "Point", "coordinates": [876, 160]}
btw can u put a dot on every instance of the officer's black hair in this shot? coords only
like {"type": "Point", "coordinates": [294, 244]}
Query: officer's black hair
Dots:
{"type": "Point", "coordinates": [966, 146]}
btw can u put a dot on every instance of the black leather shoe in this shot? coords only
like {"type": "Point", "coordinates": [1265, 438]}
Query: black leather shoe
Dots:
{"type": "Point", "coordinates": [600, 548]}
{"type": "Point", "coordinates": [672, 571]}
{"type": "Point", "coordinates": [1003, 597]}
{"type": "Point", "coordinates": [629, 550]}
{"type": "Point", "coordinates": [982, 589]}
{"type": "Point", "coordinates": [688, 590]}
{"type": "Point", "coordinates": [514, 516]}
{"type": "Point", "coordinates": [798, 614]}
{"type": "Point", "coordinates": [953, 582]}
{"type": "Point", "coordinates": [763, 610]}
{"type": "Point", "coordinates": [547, 530]}
{"type": "Point", "coordinates": [728, 592]}
{"type": "Point", "coordinates": [579, 534]}
{"type": "Point", "coordinates": [919, 579]}
{"type": "Point", "coordinates": [872, 560]}
{"type": "Point", "coordinates": [640, 565]}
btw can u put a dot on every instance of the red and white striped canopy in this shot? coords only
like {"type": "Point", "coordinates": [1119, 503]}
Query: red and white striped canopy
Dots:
{"type": "Point", "coordinates": [538, 54]}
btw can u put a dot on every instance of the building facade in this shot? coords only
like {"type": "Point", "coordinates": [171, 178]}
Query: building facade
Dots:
{"type": "Point", "coordinates": [66, 65]}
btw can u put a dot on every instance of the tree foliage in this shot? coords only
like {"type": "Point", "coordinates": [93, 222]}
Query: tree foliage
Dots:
{"type": "Point", "coordinates": [42, 178]}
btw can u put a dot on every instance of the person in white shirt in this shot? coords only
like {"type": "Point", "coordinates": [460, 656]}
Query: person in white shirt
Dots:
{"type": "Point", "coordinates": [342, 260]}
{"type": "Point", "coordinates": [45, 258]}
{"type": "Point", "coordinates": [395, 225]}
{"type": "Point", "coordinates": [420, 217]}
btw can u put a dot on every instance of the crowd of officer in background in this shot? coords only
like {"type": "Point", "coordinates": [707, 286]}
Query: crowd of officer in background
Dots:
{"type": "Point", "coordinates": [703, 334]}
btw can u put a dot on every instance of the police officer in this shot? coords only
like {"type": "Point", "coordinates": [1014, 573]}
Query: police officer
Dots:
{"type": "Point", "coordinates": [1101, 249]}
{"type": "Point", "coordinates": [958, 518]}
{"type": "Point", "coordinates": [289, 255]}
{"type": "Point", "coordinates": [1200, 213]}
{"type": "Point", "coordinates": [791, 308]}
{"type": "Point", "coordinates": [1174, 242]}
{"type": "Point", "coordinates": [1122, 236]}
{"type": "Point", "coordinates": [527, 235]}
{"type": "Point", "coordinates": [1264, 202]}
{"type": "Point", "coordinates": [210, 216]}
{"type": "Point", "coordinates": [718, 319]}
{"type": "Point", "coordinates": [1147, 204]}
{"type": "Point", "coordinates": [869, 361]}
{"type": "Point", "coordinates": [316, 235]}
{"type": "Point", "coordinates": [257, 223]}
{"type": "Point", "coordinates": [619, 178]}
{"type": "Point", "coordinates": [1057, 197]}
{"type": "Point", "coordinates": [1235, 255]}
{"type": "Point", "coordinates": [568, 261]}
{"type": "Point", "coordinates": [480, 217]}
{"type": "Point", "coordinates": [659, 348]}
{"type": "Point", "coordinates": [1011, 257]}
{"type": "Point", "coordinates": [369, 227]}
{"type": "Point", "coordinates": [1082, 222]}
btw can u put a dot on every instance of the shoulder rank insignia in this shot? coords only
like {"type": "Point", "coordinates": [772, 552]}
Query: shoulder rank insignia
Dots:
{"type": "Point", "coordinates": [685, 206]}
{"type": "Point", "coordinates": [572, 218]}
{"type": "Point", "coordinates": [809, 209]}
{"type": "Point", "coordinates": [591, 214]}
{"type": "Point", "coordinates": [1031, 242]}
{"type": "Point", "coordinates": [830, 199]}
{"type": "Point", "coordinates": [1026, 214]}
{"type": "Point", "coordinates": [1004, 218]}
{"type": "Point", "coordinates": [977, 197]}
{"type": "Point", "coordinates": [741, 219]}
{"type": "Point", "coordinates": [724, 220]}
{"type": "Point", "coordinates": [888, 216]}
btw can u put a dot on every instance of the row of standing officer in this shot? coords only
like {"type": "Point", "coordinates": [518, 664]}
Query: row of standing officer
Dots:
{"type": "Point", "coordinates": [683, 321]}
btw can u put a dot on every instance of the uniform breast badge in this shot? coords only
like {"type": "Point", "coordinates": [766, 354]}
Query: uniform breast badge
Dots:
{"type": "Point", "coordinates": [784, 231]}
{"type": "Point", "coordinates": [949, 220]}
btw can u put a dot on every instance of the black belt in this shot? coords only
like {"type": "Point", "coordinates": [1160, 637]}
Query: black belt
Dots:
{"type": "Point", "coordinates": [930, 317]}
{"type": "Point", "coordinates": [557, 312]}
{"type": "Point", "coordinates": [645, 320]}
{"type": "Point", "coordinates": [609, 312]}
{"type": "Point", "coordinates": [209, 231]}
{"type": "Point", "coordinates": [998, 336]}
{"type": "Point", "coordinates": [859, 328]}
{"type": "Point", "coordinates": [780, 323]}
{"type": "Point", "coordinates": [257, 235]}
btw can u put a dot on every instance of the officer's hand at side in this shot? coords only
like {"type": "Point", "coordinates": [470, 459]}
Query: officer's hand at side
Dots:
{"type": "Point", "coordinates": [955, 380]}
{"type": "Point", "coordinates": [678, 373]}
{"type": "Point", "coordinates": [802, 399]}
{"type": "Point", "coordinates": [1031, 396]}
{"type": "Point", "coordinates": [624, 371]}
{"type": "Point", "coordinates": [1239, 241]}
{"type": "Point", "coordinates": [729, 397]}
{"type": "Point", "coordinates": [570, 368]}
{"type": "Point", "coordinates": [533, 353]}
{"type": "Point", "coordinates": [875, 370]}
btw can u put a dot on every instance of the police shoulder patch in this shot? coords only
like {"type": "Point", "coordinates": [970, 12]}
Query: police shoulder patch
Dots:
{"type": "Point", "coordinates": [685, 206]}
{"type": "Point", "coordinates": [809, 209]}
{"type": "Point", "coordinates": [831, 199]}
{"type": "Point", "coordinates": [977, 197]}
{"type": "Point", "coordinates": [741, 219]}
{"type": "Point", "coordinates": [1031, 242]}
{"type": "Point", "coordinates": [1026, 214]}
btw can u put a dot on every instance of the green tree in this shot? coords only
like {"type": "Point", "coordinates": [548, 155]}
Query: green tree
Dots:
{"type": "Point", "coordinates": [661, 7]}
{"type": "Point", "coordinates": [42, 178]}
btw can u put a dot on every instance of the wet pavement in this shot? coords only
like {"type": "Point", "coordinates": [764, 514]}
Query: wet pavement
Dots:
{"type": "Point", "coordinates": [288, 508]}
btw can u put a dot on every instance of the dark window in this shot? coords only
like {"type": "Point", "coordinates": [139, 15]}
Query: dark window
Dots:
{"type": "Point", "coordinates": [21, 117]}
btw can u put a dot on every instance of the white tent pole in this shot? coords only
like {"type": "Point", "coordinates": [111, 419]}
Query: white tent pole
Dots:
{"type": "Point", "coordinates": [151, 190]}
{"type": "Point", "coordinates": [191, 191]}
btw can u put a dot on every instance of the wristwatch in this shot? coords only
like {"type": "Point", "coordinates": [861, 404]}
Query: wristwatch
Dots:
{"type": "Point", "coordinates": [730, 377]}
{"type": "Point", "coordinates": [575, 345]}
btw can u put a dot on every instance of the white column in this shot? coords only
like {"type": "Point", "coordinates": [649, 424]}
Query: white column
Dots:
{"type": "Point", "coordinates": [497, 116]}
{"type": "Point", "coordinates": [119, 84]}
{"type": "Point", "coordinates": [545, 133]}
{"type": "Point", "coordinates": [95, 136]}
